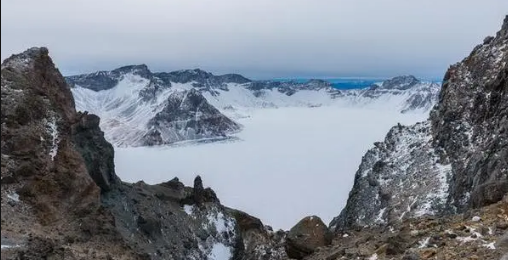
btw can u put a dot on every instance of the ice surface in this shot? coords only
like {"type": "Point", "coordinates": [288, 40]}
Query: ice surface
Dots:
{"type": "Point", "coordinates": [373, 257]}
{"type": "Point", "coordinates": [424, 243]}
{"type": "Point", "coordinates": [9, 246]}
{"type": "Point", "coordinates": [490, 245]}
{"type": "Point", "coordinates": [220, 252]}
{"type": "Point", "coordinates": [13, 196]}
{"type": "Point", "coordinates": [290, 162]}
{"type": "Point", "coordinates": [53, 131]}
{"type": "Point", "coordinates": [188, 209]}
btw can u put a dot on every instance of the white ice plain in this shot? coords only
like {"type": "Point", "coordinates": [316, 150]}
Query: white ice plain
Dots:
{"type": "Point", "coordinates": [289, 163]}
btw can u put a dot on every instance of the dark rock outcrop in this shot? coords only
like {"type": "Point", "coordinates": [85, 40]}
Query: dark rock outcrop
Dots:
{"type": "Point", "coordinates": [470, 124]}
{"type": "Point", "coordinates": [49, 200]}
{"type": "Point", "coordinates": [164, 221]}
{"type": "Point", "coordinates": [454, 161]}
{"type": "Point", "coordinates": [259, 241]}
{"type": "Point", "coordinates": [306, 236]}
{"type": "Point", "coordinates": [95, 150]}
{"type": "Point", "coordinates": [187, 115]}
{"type": "Point", "coordinates": [400, 82]}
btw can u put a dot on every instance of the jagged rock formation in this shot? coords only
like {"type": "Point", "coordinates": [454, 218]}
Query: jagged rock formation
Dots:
{"type": "Point", "coordinates": [401, 82]}
{"type": "Point", "coordinates": [95, 150]}
{"type": "Point", "coordinates": [170, 220]}
{"type": "Point", "coordinates": [454, 161]}
{"type": "Point", "coordinates": [132, 100]}
{"type": "Point", "coordinates": [50, 204]}
{"type": "Point", "coordinates": [259, 241]}
{"type": "Point", "coordinates": [187, 116]}
{"type": "Point", "coordinates": [470, 124]}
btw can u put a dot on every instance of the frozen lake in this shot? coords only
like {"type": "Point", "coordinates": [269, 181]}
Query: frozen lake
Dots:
{"type": "Point", "coordinates": [288, 163]}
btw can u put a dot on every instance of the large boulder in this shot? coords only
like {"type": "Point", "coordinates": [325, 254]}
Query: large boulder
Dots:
{"type": "Point", "coordinates": [306, 236]}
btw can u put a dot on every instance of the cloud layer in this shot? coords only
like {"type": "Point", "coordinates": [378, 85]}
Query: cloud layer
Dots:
{"type": "Point", "coordinates": [262, 38]}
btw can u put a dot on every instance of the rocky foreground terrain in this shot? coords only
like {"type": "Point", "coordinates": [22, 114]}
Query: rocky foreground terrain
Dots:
{"type": "Point", "coordinates": [435, 190]}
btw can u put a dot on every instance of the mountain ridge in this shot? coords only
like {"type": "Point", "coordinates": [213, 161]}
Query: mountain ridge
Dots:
{"type": "Point", "coordinates": [132, 96]}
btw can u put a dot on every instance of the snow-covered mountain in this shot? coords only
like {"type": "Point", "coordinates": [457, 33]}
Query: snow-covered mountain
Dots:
{"type": "Point", "coordinates": [139, 108]}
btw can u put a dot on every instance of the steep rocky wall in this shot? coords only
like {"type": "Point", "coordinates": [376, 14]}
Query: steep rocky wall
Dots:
{"type": "Point", "coordinates": [470, 124]}
{"type": "Point", "coordinates": [454, 161]}
{"type": "Point", "coordinates": [187, 115]}
{"type": "Point", "coordinates": [50, 206]}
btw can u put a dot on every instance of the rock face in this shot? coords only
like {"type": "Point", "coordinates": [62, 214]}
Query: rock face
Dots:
{"type": "Point", "coordinates": [306, 236]}
{"type": "Point", "coordinates": [95, 150]}
{"type": "Point", "coordinates": [188, 116]}
{"type": "Point", "coordinates": [165, 220]}
{"type": "Point", "coordinates": [50, 204]}
{"type": "Point", "coordinates": [454, 161]}
{"type": "Point", "coordinates": [259, 241]}
{"type": "Point", "coordinates": [470, 124]}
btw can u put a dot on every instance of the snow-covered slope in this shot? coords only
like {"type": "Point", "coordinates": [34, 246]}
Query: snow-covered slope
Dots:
{"type": "Point", "coordinates": [128, 98]}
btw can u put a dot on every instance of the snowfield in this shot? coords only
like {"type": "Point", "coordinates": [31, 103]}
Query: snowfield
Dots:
{"type": "Point", "coordinates": [287, 163]}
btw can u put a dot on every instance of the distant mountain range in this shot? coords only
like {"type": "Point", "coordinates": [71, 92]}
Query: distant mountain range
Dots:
{"type": "Point", "coordinates": [142, 108]}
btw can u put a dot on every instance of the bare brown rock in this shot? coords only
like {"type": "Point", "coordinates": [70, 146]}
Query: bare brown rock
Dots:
{"type": "Point", "coordinates": [306, 236]}
{"type": "Point", "coordinates": [49, 200]}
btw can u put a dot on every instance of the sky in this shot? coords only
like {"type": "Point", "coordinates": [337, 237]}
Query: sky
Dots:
{"type": "Point", "coordinates": [256, 38]}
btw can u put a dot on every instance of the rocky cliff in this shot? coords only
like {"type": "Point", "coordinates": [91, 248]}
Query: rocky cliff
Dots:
{"type": "Point", "coordinates": [454, 161]}
{"type": "Point", "coordinates": [187, 115]}
{"type": "Point", "coordinates": [50, 203]}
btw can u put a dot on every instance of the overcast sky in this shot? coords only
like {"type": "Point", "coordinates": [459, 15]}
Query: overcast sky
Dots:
{"type": "Point", "coordinates": [257, 38]}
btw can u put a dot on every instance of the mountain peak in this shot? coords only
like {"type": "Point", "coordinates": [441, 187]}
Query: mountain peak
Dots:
{"type": "Point", "coordinates": [140, 70]}
{"type": "Point", "coordinates": [400, 82]}
{"type": "Point", "coordinates": [25, 59]}
{"type": "Point", "coordinates": [196, 71]}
